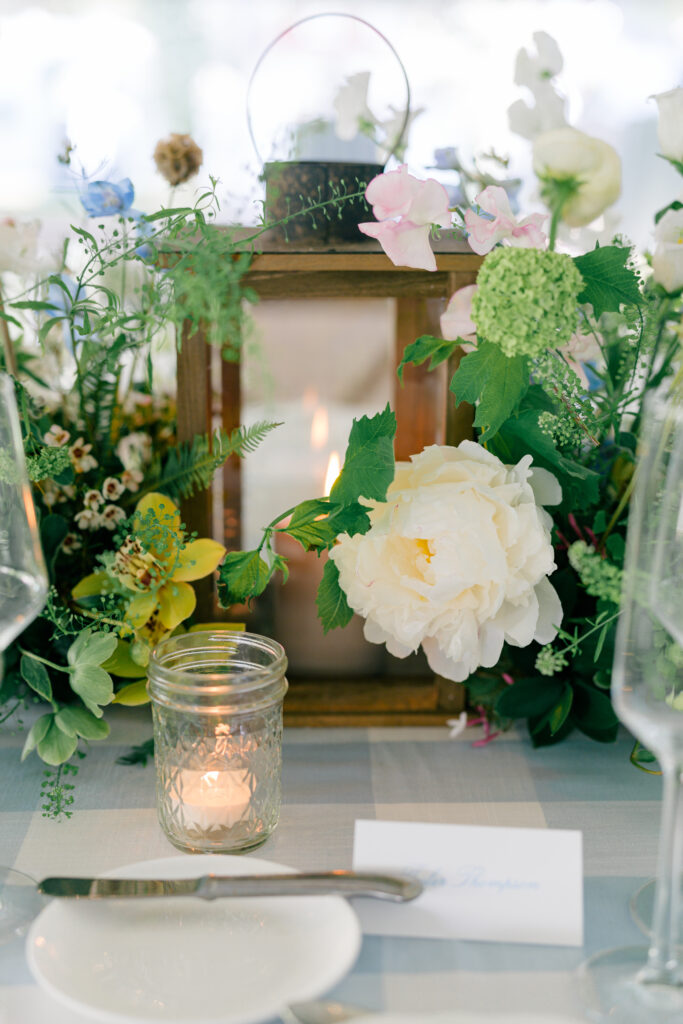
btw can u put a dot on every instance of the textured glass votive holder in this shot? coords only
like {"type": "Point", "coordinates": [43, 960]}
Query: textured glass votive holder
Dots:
{"type": "Point", "coordinates": [217, 707]}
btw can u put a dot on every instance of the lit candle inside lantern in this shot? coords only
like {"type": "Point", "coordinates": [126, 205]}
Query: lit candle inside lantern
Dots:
{"type": "Point", "coordinates": [212, 799]}
{"type": "Point", "coordinates": [341, 652]}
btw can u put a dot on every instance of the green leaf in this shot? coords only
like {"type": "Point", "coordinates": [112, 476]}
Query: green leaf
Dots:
{"type": "Point", "coordinates": [93, 685]}
{"type": "Point", "coordinates": [676, 205]}
{"type": "Point", "coordinates": [243, 575]}
{"type": "Point", "coordinates": [178, 211]}
{"type": "Point", "coordinates": [492, 381]}
{"type": "Point", "coordinates": [36, 734]}
{"type": "Point", "coordinates": [38, 307]}
{"type": "Point", "coordinates": [75, 721]}
{"type": "Point", "coordinates": [425, 347]}
{"type": "Point", "coordinates": [56, 746]}
{"type": "Point", "coordinates": [527, 698]}
{"type": "Point", "coordinates": [608, 282]}
{"type": "Point", "coordinates": [521, 435]}
{"type": "Point", "coordinates": [555, 718]}
{"type": "Point", "coordinates": [351, 519]}
{"type": "Point", "coordinates": [91, 648]}
{"type": "Point", "coordinates": [594, 714]}
{"type": "Point", "coordinates": [139, 754]}
{"type": "Point", "coordinates": [678, 164]}
{"type": "Point", "coordinates": [369, 461]}
{"type": "Point", "coordinates": [36, 675]}
{"type": "Point", "coordinates": [308, 528]}
{"type": "Point", "coordinates": [333, 608]}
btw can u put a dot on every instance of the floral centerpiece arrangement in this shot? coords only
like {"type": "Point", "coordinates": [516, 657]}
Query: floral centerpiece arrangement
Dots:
{"type": "Point", "coordinates": [502, 557]}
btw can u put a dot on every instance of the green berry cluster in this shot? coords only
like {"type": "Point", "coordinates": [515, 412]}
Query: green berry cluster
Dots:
{"type": "Point", "coordinates": [600, 578]}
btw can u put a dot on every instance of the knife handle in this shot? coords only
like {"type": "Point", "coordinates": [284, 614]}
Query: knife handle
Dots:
{"type": "Point", "coordinates": [399, 888]}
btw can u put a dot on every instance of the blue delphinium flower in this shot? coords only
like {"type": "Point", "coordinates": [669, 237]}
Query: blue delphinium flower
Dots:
{"type": "Point", "coordinates": [107, 198]}
{"type": "Point", "coordinates": [143, 229]}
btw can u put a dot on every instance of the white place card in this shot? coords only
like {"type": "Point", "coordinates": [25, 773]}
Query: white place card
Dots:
{"type": "Point", "coordinates": [483, 883]}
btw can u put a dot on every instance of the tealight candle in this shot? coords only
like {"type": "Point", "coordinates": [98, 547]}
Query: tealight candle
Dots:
{"type": "Point", "coordinates": [213, 799]}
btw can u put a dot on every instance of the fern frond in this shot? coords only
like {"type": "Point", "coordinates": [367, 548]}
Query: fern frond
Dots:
{"type": "Point", "coordinates": [190, 465]}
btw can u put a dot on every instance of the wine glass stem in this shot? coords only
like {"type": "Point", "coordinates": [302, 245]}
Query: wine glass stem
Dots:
{"type": "Point", "coordinates": [663, 958]}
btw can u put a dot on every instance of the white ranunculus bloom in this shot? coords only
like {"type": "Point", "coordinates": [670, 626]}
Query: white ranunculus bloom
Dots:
{"type": "Point", "coordinates": [667, 259]}
{"type": "Point", "coordinates": [569, 153]}
{"type": "Point", "coordinates": [456, 559]}
{"type": "Point", "coordinates": [670, 125]}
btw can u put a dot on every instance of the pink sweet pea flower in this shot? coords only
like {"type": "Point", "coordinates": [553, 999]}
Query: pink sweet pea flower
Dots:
{"type": "Point", "coordinates": [456, 320]}
{"type": "Point", "coordinates": [484, 233]}
{"type": "Point", "coordinates": [406, 208]}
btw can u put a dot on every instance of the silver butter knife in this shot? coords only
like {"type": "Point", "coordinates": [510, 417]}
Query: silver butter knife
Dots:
{"type": "Point", "coordinates": [399, 888]}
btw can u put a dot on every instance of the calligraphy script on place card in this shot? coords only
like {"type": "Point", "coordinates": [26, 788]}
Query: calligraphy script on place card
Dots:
{"type": "Point", "coordinates": [484, 883]}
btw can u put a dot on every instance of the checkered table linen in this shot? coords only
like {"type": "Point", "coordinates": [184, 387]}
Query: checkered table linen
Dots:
{"type": "Point", "coordinates": [331, 777]}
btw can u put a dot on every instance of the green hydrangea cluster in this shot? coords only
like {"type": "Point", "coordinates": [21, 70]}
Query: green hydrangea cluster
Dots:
{"type": "Point", "coordinates": [526, 300]}
{"type": "Point", "coordinates": [601, 578]}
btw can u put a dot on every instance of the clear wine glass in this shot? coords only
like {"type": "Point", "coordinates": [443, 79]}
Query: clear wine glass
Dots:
{"type": "Point", "coordinates": [23, 589]}
{"type": "Point", "coordinates": [640, 984]}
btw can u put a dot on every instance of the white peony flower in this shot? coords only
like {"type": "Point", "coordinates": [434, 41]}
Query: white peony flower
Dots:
{"type": "Point", "coordinates": [670, 125]}
{"type": "Point", "coordinates": [456, 560]}
{"type": "Point", "coordinates": [569, 153]}
{"type": "Point", "coordinates": [667, 259]}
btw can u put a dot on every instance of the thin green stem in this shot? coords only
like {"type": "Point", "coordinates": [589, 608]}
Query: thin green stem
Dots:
{"type": "Point", "coordinates": [44, 661]}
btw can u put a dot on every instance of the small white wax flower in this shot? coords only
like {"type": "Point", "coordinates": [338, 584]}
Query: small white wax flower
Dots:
{"type": "Point", "coordinates": [131, 479]}
{"type": "Point", "coordinates": [456, 560]}
{"type": "Point", "coordinates": [56, 436]}
{"type": "Point", "coordinates": [80, 456]}
{"type": "Point", "coordinates": [88, 519]}
{"type": "Point", "coordinates": [71, 543]}
{"type": "Point", "coordinates": [112, 489]}
{"type": "Point", "coordinates": [111, 515]}
{"type": "Point", "coordinates": [93, 499]}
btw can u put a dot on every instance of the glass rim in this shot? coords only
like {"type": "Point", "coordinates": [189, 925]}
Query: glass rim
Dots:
{"type": "Point", "coordinates": [179, 680]}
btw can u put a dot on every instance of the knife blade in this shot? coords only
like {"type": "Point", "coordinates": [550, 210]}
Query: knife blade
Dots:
{"type": "Point", "coordinates": [399, 888]}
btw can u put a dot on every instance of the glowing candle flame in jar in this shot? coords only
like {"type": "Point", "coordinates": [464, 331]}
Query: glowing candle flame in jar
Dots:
{"type": "Point", "coordinates": [213, 799]}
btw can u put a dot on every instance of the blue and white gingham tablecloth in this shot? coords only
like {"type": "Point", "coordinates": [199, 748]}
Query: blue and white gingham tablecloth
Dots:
{"type": "Point", "coordinates": [332, 777]}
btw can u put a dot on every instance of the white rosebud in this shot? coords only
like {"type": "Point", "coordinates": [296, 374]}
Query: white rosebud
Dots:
{"type": "Point", "coordinates": [568, 153]}
{"type": "Point", "coordinates": [670, 125]}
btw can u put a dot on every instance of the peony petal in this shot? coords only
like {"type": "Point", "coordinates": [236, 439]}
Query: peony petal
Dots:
{"type": "Point", "coordinates": [177, 601]}
{"type": "Point", "coordinates": [141, 608]}
{"type": "Point", "coordinates": [198, 559]}
{"type": "Point", "coordinates": [544, 484]}
{"type": "Point", "coordinates": [441, 664]}
{"type": "Point", "coordinates": [549, 612]}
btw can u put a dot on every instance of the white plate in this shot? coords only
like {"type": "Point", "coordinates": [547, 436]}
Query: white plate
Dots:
{"type": "Point", "coordinates": [185, 960]}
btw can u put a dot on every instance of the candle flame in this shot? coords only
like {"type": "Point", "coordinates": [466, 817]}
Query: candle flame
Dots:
{"type": "Point", "coordinates": [333, 471]}
{"type": "Point", "coordinates": [320, 428]}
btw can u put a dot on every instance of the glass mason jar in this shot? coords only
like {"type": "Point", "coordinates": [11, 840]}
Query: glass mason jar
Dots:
{"type": "Point", "coordinates": [217, 707]}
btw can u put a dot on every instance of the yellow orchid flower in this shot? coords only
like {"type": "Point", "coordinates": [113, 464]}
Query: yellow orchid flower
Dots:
{"type": "Point", "coordinates": [154, 567]}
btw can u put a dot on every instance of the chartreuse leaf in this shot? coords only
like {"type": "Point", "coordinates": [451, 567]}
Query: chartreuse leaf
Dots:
{"type": "Point", "coordinates": [333, 608]}
{"type": "Point", "coordinates": [492, 381]}
{"type": "Point", "coordinates": [76, 721]}
{"type": "Point", "coordinates": [36, 734]}
{"type": "Point", "coordinates": [426, 347]}
{"type": "Point", "coordinates": [245, 574]}
{"type": "Point", "coordinates": [369, 461]}
{"type": "Point", "coordinates": [608, 282]}
{"type": "Point", "coordinates": [121, 662]}
{"type": "Point", "coordinates": [133, 694]}
{"type": "Point", "coordinates": [56, 746]}
{"type": "Point", "coordinates": [35, 674]}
